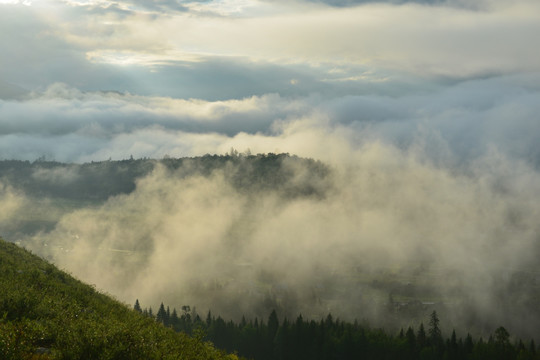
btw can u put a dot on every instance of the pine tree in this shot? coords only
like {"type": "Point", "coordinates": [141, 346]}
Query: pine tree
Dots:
{"type": "Point", "coordinates": [435, 336]}
{"type": "Point", "coordinates": [174, 320]}
{"type": "Point", "coordinates": [469, 345]}
{"type": "Point", "coordinates": [243, 322]}
{"type": "Point", "coordinates": [273, 325]}
{"type": "Point", "coordinates": [411, 338]}
{"type": "Point", "coordinates": [532, 347]}
{"type": "Point", "coordinates": [453, 346]}
{"type": "Point", "coordinates": [161, 315]}
{"type": "Point", "coordinates": [137, 306]}
{"type": "Point", "coordinates": [421, 336]}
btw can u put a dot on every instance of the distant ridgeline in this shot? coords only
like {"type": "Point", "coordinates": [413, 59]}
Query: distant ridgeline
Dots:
{"type": "Point", "coordinates": [97, 181]}
{"type": "Point", "coordinates": [56, 188]}
{"type": "Point", "coordinates": [330, 338]}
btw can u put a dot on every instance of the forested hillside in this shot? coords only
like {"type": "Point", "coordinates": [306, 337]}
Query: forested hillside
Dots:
{"type": "Point", "coordinates": [98, 181]}
{"type": "Point", "coordinates": [47, 314]}
{"type": "Point", "coordinates": [55, 188]}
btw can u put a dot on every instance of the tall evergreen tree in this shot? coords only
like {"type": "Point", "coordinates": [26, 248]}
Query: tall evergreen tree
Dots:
{"type": "Point", "coordinates": [411, 338]}
{"type": "Point", "coordinates": [532, 347]}
{"type": "Point", "coordinates": [174, 320]}
{"type": "Point", "coordinates": [421, 338]}
{"type": "Point", "coordinates": [273, 325]}
{"type": "Point", "coordinates": [161, 315]}
{"type": "Point", "coordinates": [137, 306]}
{"type": "Point", "coordinates": [469, 344]}
{"type": "Point", "coordinates": [435, 336]}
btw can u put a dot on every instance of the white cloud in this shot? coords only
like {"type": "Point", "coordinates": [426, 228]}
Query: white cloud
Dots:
{"type": "Point", "coordinates": [414, 38]}
{"type": "Point", "coordinates": [96, 47]}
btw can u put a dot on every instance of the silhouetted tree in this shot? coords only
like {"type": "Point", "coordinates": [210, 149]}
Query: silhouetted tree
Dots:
{"type": "Point", "coordinates": [137, 306]}
{"type": "Point", "coordinates": [161, 315]}
{"type": "Point", "coordinates": [421, 338]}
{"type": "Point", "coordinates": [435, 336]}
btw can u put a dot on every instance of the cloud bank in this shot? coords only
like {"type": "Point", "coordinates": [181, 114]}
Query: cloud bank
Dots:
{"type": "Point", "coordinates": [456, 123]}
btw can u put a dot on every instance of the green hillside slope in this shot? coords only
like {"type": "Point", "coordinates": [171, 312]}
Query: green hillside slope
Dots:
{"type": "Point", "coordinates": [47, 314]}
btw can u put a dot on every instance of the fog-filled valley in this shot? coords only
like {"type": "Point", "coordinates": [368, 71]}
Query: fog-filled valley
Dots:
{"type": "Point", "coordinates": [384, 237]}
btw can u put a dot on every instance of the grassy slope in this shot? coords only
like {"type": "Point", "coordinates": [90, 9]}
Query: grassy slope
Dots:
{"type": "Point", "coordinates": [44, 310]}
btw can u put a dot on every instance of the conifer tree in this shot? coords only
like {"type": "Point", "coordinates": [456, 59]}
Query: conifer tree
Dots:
{"type": "Point", "coordinates": [532, 348]}
{"type": "Point", "coordinates": [161, 314]}
{"type": "Point", "coordinates": [174, 320]}
{"type": "Point", "coordinates": [411, 338]}
{"type": "Point", "coordinates": [137, 306]}
{"type": "Point", "coordinates": [469, 345]}
{"type": "Point", "coordinates": [273, 325]}
{"type": "Point", "coordinates": [435, 336]}
{"type": "Point", "coordinates": [421, 336]}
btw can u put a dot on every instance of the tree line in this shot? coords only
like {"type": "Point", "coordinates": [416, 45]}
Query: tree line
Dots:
{"type": "Point", "coordinates": [97, 181]}
{"type": "Point", "coordinates": [331, 338]}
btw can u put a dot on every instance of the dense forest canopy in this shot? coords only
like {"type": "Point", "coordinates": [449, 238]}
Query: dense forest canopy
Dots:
{"type": "Point", "coordinates": [328, 338]}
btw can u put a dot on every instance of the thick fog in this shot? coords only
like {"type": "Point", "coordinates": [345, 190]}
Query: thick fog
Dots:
{"type": "Point", "coordinates": [468, 238]}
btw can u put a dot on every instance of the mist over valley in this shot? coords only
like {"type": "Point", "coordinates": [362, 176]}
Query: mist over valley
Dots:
{"type": "Point", "coordinates": [241, 235]}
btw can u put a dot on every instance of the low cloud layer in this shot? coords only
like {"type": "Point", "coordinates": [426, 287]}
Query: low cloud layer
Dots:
{"type": "Point", "coordinates": [455, 124]}
{"type": "Point", "coordinates": [386, 215]}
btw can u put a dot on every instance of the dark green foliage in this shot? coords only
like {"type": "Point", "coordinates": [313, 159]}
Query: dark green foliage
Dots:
{"type": "Point", "coordinates": [289, 175]}
{"type": "Point", "coordinates": [46, 314]}
{"type": "Point", "coordinates": [330, 339]}
{"type": "Point", "coordinates": [66, 187]}
{"type": "Point", "coordinates": [137, 306]}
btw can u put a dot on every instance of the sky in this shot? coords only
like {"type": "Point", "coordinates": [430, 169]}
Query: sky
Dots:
{"type": "Point", "coordinates": [93, 80]}
{"type": "Point", "coordinates": [427, 111]}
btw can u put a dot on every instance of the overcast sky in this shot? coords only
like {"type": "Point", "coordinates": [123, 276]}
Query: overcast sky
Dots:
{"type": "Point", "coordinates": [95, 79]}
